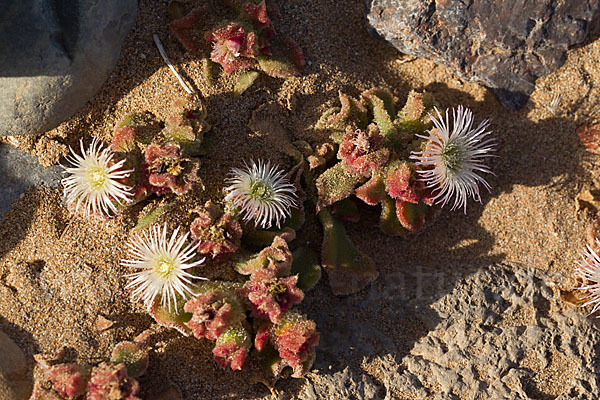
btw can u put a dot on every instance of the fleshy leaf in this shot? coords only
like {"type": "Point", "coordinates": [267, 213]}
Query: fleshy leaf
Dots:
{"type": "Point", "coordinates": [413, 116]}
{"type": "Point", "coordinates": [151, 217]}
{"type": "Point", "coordinates": [589, 136]}
{"type": "Point", "coordinates": [349, 270]}
{"type": "Point", "coordinates": [176, 318]}
{"type": "Point", "coordinates": [335, 184]}
{"type": "Point", "coordinates": [388, 222]}
{"type": "Point", "coordinates": [411, 216]}
{"type": "Point", "coordinates": [277, 255]}
{"type": "Point", "coordinates": [373, 191]}
{"type": "Point", "coordinates": [381, 103]}
{"type": "Point", "coordinates": [260, 238]}
{"type": "Point", "coordinates": [306, 265]}
{"type": "Point", "coordinates": [276, 67]}
{"type": "Point", "coordinates": [352, 111]}
{"type": "Point", "coordinates": [345, 210]}
{"type": "Point", "coordinates": [133, 355]}
{"type": "Point", "coordinates": [232, 347]}
{"type": "Point", "coordinates": [295, 338]}
{"type": "Point", "coordinates": [245, 80]}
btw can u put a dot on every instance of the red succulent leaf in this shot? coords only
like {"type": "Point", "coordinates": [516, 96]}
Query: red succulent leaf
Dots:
{"type": "Point", "coordinates": [399, 182]}
{"type": "Point", "coordinates": [232, 347]}
{"type": "Point", "coordinates": [590, 136]}
{"type": "Point", "coordinates": [181, 29]}
{"type": "Point", "coordinates": [268, 296]}
{"type": "Point", "coordinates": [67, 379]}
{"type": "Point", "coordinates": [218, 233]}
{"type": "Point", "coordinates": [373, 191]}
{"type": "Point", "coordinates": [295, 338]}
{"type": "Point", "coordinates": [214, 313]}
{"type": "Point", "coordinates": [257, 13]}
{"type": "Point", "coordinates": [360, 153]}
{"type": "Point", "coordinates": [262, 336]}
{"type": "Point", "coordinates": [233, 47]}
{"type": "Point", "coordinates": [124, 139]}
{"type": "Point", "coordinates": [295, 52]}
{"type": "Point", "coordinates": [110, 381]}
{"type": "Point", "coordinates": [410, 216]}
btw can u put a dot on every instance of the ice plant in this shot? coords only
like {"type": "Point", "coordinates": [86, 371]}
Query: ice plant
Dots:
{"type": "Point", "coordinates": [163, 266]}
{"type": "Point", "coordinates": [588, 270]}
{"type": "Point", "coordinates": [218, 232]}
{"type": "Point", "coordinates": [454, 158]}
{"type": "Point", "coordinates": [95, 181]}
{"type": "Point", "coordinates": [262, 193]}
{"type": "Point", "coordinates": [110, 381]}
{"type": "Point", "coordinates": [248, 43]}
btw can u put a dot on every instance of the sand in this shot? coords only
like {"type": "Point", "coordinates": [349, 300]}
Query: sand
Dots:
{"type": "Point", "coordinates": [59, 272]}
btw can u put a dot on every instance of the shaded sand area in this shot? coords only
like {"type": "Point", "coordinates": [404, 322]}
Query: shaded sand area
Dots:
{"type": "Point", "coordinates": [58, 273]}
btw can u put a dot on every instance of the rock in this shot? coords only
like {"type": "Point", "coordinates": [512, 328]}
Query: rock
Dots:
{"type": "Point", "coordinates": [499, 333]}
{"type": "Point", "coordinates": [56, 54]}
{"type": "Point", "coordinates": [504, 45]}
{"type": "Point", "coordinates": [19, 171]}
{"type": "Point", "coordinates": [14, 382]}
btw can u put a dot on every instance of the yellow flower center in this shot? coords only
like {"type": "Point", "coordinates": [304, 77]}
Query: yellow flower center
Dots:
{"type": "Point", "coordinates": [165, 266]}
{"type": "Point", "coordinates": [97, 177]}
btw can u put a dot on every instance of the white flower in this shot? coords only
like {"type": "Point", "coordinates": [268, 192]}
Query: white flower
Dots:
{"type": "Point", "coordinates": [262, 193]}
{"type": "Point", "coordinates": [455, 157]}
{"type": "Point", "coordinates": [94, 181]}
{"type": "Point", "coordinates": [162, 265]}
{"type": "Point", "coordinates": [588, 269]}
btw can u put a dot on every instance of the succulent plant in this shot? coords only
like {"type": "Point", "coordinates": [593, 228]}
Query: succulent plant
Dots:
{"type": "Point", "coordinates": [133, 355]}
{"type": "Point", "coordinates": [247, 42]}
{"type": "Point", "coordinates": [216, 310]}
{"type": "Point", "coordinates": [232, 348]}
{"type": "Point", "coordinates": [217, 232]}
{"type": "Point", "coordinates": [168, 170]}
{"type": "Point", "coordinates": [269, 295]}
{"type": "Point", "coordinates": [407, 161]}
{"type": "Point", "coordinates": [68, 380]}
{"type": "Point", "coordinates": [294, 338]}
{"type": "Point", "coordinates": [162, 160]}
{"type": "Point", "coordinates": [105, 381]}
{"type": "Point", "coordinates": [374, 145]}
{"type": "Point", "coordinates": [237, 315]}
{"type": "Point", "coordinates": [111, 381]}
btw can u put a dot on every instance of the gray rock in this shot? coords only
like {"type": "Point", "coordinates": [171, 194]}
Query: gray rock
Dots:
{"type": "Point", "coordinates": [498, 334]}
{"type": "Point", "coordinates": [56, 54]}
{"type": "Point", "coordinates": [505, 45]}
{"type": "Point", "coordinates": [19, 171]}
{"type": "Point", "coordinates": [15, 383]}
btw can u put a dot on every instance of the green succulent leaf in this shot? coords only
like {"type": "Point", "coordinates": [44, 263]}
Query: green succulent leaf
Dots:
{"type": "Point", "coordinates": [306, 265]}
{"type": "Point", "coordinates": [244, 82]}
{"type": "Point", "coordinates": [349, 269]}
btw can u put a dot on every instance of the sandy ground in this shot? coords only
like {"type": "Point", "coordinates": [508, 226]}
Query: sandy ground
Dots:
{"type": "Point", "coordinates": [58, 272]}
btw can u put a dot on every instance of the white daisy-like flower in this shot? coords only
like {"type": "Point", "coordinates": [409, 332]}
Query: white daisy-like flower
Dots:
{"type": "Point", "coordinates": [94, 181]}
{"type": "Point", "coordinates": [262, 193]}
{"type": "Point", "coordinates": [163, 266]}
{"type": "Point", "coordinates": [455, 157]}
{"type": "Point", "coordinates": [588, 269]}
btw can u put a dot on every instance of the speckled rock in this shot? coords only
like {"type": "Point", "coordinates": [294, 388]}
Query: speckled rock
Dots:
{"type": "Point", "coordinates": [14, 382]}
{"type": "Point", "coordinates": [500, 333]}
{"type": "Point", "coordinates": [18, 172]}
{"type": "Point", "coordinates": [504, 45]}
{"type": "Point", "coordinates": [56, 54]}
